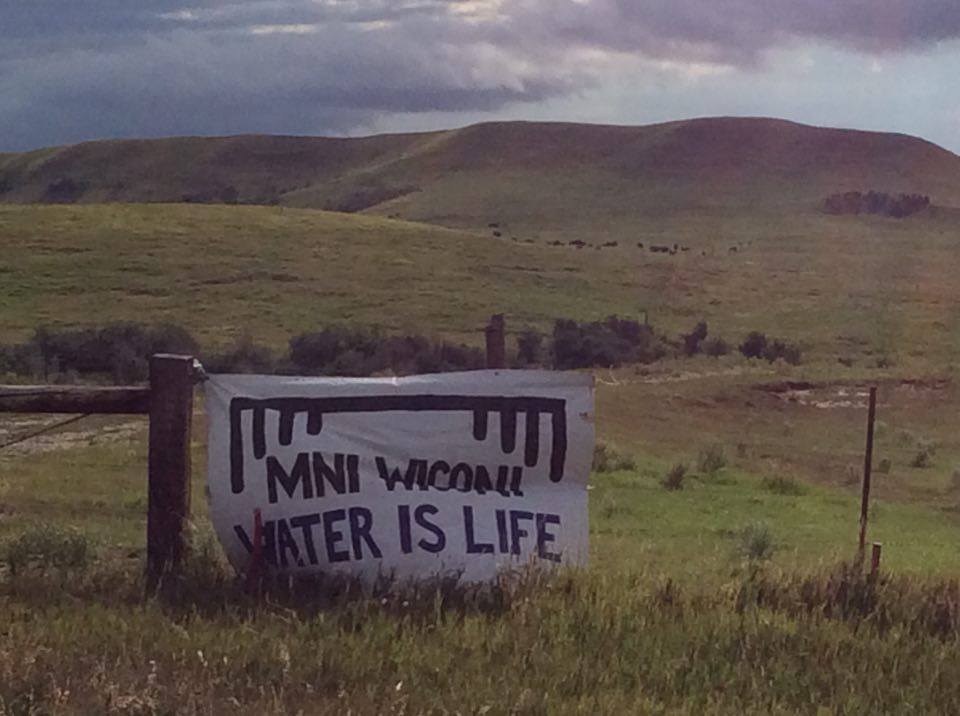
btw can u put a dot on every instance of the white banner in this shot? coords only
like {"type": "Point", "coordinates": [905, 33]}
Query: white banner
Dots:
{"type": "Point", "coordinates": [458, 473]}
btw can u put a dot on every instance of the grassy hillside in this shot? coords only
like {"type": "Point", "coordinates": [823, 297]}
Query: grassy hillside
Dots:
{"type": "Point", "coordinates": [715, 598]}
{"type": "Point", "coordinates": [534, 179]}
{"type": "Point", "coordinates": [860, 289]}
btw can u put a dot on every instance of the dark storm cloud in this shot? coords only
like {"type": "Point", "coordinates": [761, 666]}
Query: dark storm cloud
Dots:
{"type": "Point", "coordinates": [738, 31]}
{"type": "Point", "coordinates": [77, 70]}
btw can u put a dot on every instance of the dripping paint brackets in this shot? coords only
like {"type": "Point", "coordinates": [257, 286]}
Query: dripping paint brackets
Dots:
{"type": "Point", "coordinates": [480, 406]}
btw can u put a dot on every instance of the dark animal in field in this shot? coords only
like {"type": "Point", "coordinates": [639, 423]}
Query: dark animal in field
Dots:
{"type": "Point", "coordinates": [640, 245]}
{"type": "Point", "coordinates": [659, 249]}
{"type": "Point", "coordinates": [611, 244]}
{"type": "Point", "coordinates": [578, 243]}
{"type": "Point", "coordinates": [555, 243]}
{"type": "Point", "coordinates": [733, 249]}
{"type": "Point", "coordinates": [684, 248]}
{"type": "Point", "coordinates": [494, 225]}
{"type": "Point", "coordinates": [529, 241]}
{"type": "Point", "coordinates": [498, 234]}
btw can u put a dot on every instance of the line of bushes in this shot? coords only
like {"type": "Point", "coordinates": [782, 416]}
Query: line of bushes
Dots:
{"type": "Point", "coordinates": [120, 351]}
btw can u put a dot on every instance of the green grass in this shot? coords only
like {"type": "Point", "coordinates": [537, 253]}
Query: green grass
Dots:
{"type": "Point", "coordinates": [667, 619]}
{"type": "Point", "coordinates": [609, 640]}
{"type": "Point", "coordinates": [858, 289]}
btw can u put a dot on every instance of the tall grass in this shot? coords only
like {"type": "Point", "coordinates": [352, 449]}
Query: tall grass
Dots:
{"type": "Point", "coordinates": [765, 642]}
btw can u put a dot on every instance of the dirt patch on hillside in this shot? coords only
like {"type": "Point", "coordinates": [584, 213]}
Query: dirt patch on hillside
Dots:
{"type": "Point", "coordinates": [832, 395]}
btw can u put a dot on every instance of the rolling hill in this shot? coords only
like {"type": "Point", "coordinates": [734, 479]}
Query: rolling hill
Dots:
{"type": "Point", "coordinates": [536, 178]}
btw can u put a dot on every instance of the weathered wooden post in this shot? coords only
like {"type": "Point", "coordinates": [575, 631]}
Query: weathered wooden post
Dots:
{"type": "Point", "coordinates": [496, 342]}
{"type": "Point", "coordinates": [875, 560]}
{"type": "Point", "coordinates": [867, 469]}
{"type": "Point", "coordinates": [168, 498]}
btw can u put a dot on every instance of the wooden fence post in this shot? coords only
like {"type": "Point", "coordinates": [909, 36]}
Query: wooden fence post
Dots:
{"type": "Point", "coordinates": [875, 560]}
{"type": "Point", "coordinates": [867, 469]}
{"type": "Point", "coordinates": [168, 499]}
{"type": "Point", "coordinates": [496, 342]}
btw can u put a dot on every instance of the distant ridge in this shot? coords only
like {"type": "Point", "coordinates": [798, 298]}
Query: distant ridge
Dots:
{"type": "Point", "coordinates": [525, 174]}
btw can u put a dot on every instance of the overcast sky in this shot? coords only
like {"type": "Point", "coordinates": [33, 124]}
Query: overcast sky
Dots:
{"type": "Point", "coordinates": [72, 70]}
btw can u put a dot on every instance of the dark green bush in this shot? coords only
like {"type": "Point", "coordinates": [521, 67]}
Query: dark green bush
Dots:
{"type": "Point", "coordinates": [244, 356]}
{"type": "Point", "coordinates": [604, 344]}
{"type": "Point", "coordinates": [675, 476]}
{"type": "Point", "coordinates": [529, 348]}
{"type": "Point", "coordinates": [119, 350]}
{"type": "Point", "coordinates": [757, 345]}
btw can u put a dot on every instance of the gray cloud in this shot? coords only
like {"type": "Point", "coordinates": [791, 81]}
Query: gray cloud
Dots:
{"type": "Point", "coordinates": [71, 71]}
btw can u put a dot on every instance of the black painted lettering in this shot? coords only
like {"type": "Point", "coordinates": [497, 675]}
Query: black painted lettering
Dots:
{"type": "Point", "coordinates": [335, 477]}
{"type": "Point", "coordinates": [473, 547]}
{"type": "Point", "coordinates": [286, 544]}
{"type": "Point", "coordinates": [403, 518]}
{"type": "Point", "coordinates": [298, 475]}
{"type": "Point", "coordinates": [306, 524]}
{"type": "Point", "coordinates": [461, 477]}
{"type": "Point", "coordinates": [420, 516]}
{"type": "Point", "coordinates": [392, 477]}
{"type": "Point", "coordinates": [502, 536]}
{"type": "Point", "coordinates": [516, 531]}
{"type": "Point", "coordinates": [544, 537]}
{"type": "Point", "coordinates": [361, 521]}
{"type": "Point", "coordinates": [440, 467]}
{"type": "Point", "coordinates": [333, 537]}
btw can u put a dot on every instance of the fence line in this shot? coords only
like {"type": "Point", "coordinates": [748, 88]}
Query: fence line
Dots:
{"type": "Point", "coordinates": [168, 401]}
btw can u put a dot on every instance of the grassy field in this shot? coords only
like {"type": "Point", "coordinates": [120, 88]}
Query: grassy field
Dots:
{"type": "Point", "coordinates": [715, 598]}
{"type": "Point", "coordinates": [855, 288]}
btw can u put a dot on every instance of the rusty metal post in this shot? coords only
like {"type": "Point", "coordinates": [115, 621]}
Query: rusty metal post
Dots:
{"type": "Point", "coordinates": [168, 499]}
{"type": "Point", "coordinates": [496, 342]}
{"type": "Point", "coordinates": [867, 469]}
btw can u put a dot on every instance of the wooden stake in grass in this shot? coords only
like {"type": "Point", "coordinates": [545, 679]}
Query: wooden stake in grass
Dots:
{"type": "Point", "coordinates": [867, 468]}
{"type": "Point", "coordinates": [496, 342]}
{"type": "Point", "coordinates": [875, 560]}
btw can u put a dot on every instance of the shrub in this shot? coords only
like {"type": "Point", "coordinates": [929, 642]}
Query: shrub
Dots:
{"type": "Point", "coordinates": [754, 346]}
{"type": "Point", "coordinates": [244, 356]}
{"type": "Point", "coordinates": [756, 543]}
{"type": "Point", "coordinates": [923, 457]}
{"type": "Point", "coordinates": [342, 350]}
{"type": "Point", "coordinates": [675, 476]}
{"type": "Point", "coordinates": [529, 348]}
{"type": "Point", "coordinates": [757, 345]}
{"type": "Point", "coordinates": [716, 347]}
{"type": "Point", "coordinates": [783, 486]}
{"type": "Point", "coordinates": [120, 350]}
{"type": "Point", "coordinates": [692, 341]}
{"type": "Point", "coordinates": [609, 459]}
{"type": "Point", "coordinates": [884, 466]}
{"type": "Point", "coordinates": [711, 460]}
{"type": "Point", "coordinates": [604, 344]}
{"type": "Point", "coordinates": [46, 546]}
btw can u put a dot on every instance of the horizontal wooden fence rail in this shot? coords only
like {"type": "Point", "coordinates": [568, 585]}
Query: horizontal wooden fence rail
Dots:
{"type": "Point", "coordinates": [74, 399]}
{"type": "Point", "coordinates": [169, 403]}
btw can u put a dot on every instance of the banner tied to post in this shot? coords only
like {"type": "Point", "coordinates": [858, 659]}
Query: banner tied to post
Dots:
{"type": "Point", "coordinates": [463, 474]}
